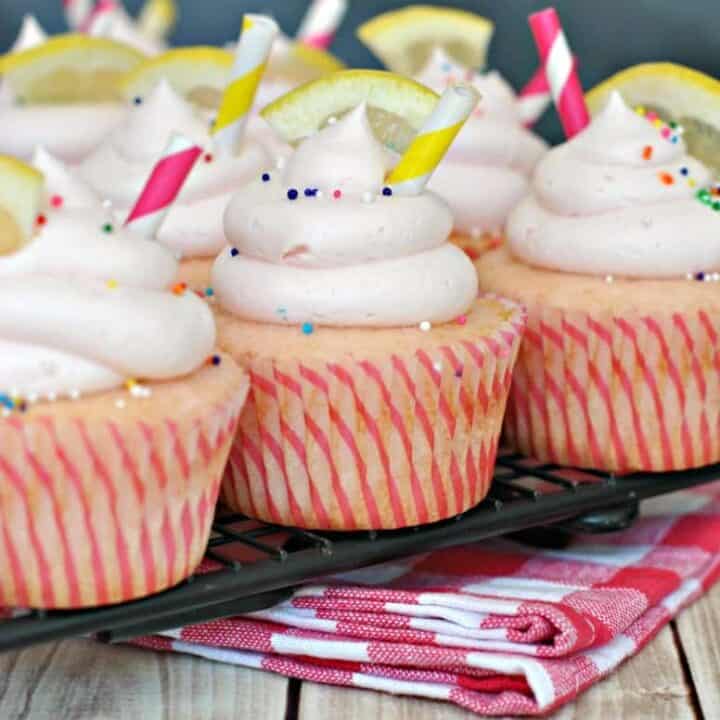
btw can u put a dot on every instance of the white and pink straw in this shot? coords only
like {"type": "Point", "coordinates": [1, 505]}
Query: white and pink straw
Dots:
{"type": "Point", "coordinates": [77, 12]}
{"type": "Point", "coordinates": [99, 17]}
{"type": "Point", "coordinates": [163, 186]}
{"type": "Point", "coordinates": [321, 22]}
{"type": "Point", "coordinates": [535, 98]}
{"type": "Point", "coordinates": [561, 70]}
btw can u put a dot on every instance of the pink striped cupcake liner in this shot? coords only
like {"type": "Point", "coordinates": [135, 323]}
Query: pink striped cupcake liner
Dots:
{"type": "Point", "coordinates": [100, 510]}
{"type": "Point", "coordinates": [618, 393]}
{"type": "Point", "coordinates": [357, 444]}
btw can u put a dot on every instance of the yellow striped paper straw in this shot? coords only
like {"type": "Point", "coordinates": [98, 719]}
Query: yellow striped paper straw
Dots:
{"type": "Point", "coordinates": [251, 56]}
{"type": "Point", "coordinates": [418, 163]}
{"type": "Point", "coordinates": [157, 18]}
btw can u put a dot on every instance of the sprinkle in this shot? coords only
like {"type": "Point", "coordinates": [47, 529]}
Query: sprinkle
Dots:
{"type": "Point", "coordinates": [179, 288]}
{"type": "Point", "coordinates": [108, 228]}
{"type": "Point", "coordinates": [692, 183]}
{"type": "Point", "coordinates": [647, 152]}
{"type": "Point", "coordinates": [425, 326]}
{"type": "Point", "coordinates": [459, 372]}
{"type": "Point", "coordinates": [689, 276]}
{"type": "Point", "coordinates": [120, 403]}
{"type": "Point", "coordinates": [437, 366]}
{"type": "Point", "coordinates": [640, 110]}
{"type": "Point", "coordinates": [137, 100]}
{"type": "Point", "coordinates": [666, 178]}
{"type": "Point", "coordinates": [331, 120]}
{"type": "Point", "coordinates": [651, 115]}
{"type": "Point", "coordinates": [74, 394]}
{"type": "Point", "coordinates": [234, 252]}
{"type": "Point", "coordinates": [292, 194]}
{"type": "Point", "coordinates": [40, 219]}
{"type": "Point", "coordinates": [337, 194]}
{"type": "Point", "coordinates": [715, 205]}
{"type": "Point", "coordinates": [56, 201]}
{"type": "Point", "coordinates": [213, 360]}
{"type": "Point", "coordinates": [307, 328]}
{"type": "Point", "coordinates": [209, 292]}
{"type": "Point", "coordinates": [684, 171]}
{"type": "Point", "coordinates": [665, 132]}
{"type": "Point", "coordinates": [368, 197]}
{"type": "Point", "coordinates": [387, 191]}
{"type": "Point", "coordinates": [310, 192]}
{"type": "Point", "coordinates": [208, 157]}
{"type": "Point", "coordinates": [674, 139]}
{"type": "Point", "coordinates": [112, 284]}
{"type": "Point", "coordinates": [609, 279]}
{"type": "Point", "coordinates": [673, 124]}
{"type": "Point", "coordinates": [130, 383]}
{"type": "Point", "coordinates": [107, 204]}
{"type": "Point", "coordinates": [657, 122]}
{"type": "Point", "coordinates": [700, 276]}
{"type": "Point", "coordinates": [265, 177]}
{"type": "Point", "coordinates": [319, 194]}
{"type": "Point", "coordinates": [461, 319]}
{"type": "Point", "coordinates": [280, 163]}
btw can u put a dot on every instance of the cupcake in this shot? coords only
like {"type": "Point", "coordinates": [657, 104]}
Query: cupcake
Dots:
{"type": "Point", "coordinates": [62, 93]}
{"type": "Point", "coordinates": [487, 170]}
{"type": "Point", "coordinates": [378, 378]}
{"type": "Point", "coordinates": [615, 253]}
{"type": "Point", "coordinates": [115, 428]}
{"type": "Point", "coordinates": [119, 168]}
{"type": "Point", "coordinates": [111, 20]}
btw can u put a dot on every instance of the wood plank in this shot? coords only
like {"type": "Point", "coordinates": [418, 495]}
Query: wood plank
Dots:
{"type": "Point", "coordinates": [699, 631]}
{"type": "Point", "coordinates": [84, 679]}
{"type": "Point", "coordinates": [649, 685]}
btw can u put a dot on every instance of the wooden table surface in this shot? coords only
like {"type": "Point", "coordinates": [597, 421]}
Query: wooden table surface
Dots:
{"type": "Point", "coordinates": [676, 677]}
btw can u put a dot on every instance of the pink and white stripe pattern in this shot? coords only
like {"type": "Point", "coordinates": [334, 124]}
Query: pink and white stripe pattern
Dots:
{"type": "Point", "coordinates": [77, 13]}
{"type": "Point", "coordinates": [561, 71]}
{"type": "Point", "coordinates": [495, 627]}
{"type": "Point", "coordinates": [98, 20]}
{"type": "Point", "coordinates": [163, 186]}
{"type": "Point", "coordinates": [321, 22]}
{"type": "Point", "coordinates": [534, 98]}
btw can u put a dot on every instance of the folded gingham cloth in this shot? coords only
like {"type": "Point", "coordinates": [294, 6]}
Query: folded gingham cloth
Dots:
{"type": "Point", "coordinates": [496, 627]}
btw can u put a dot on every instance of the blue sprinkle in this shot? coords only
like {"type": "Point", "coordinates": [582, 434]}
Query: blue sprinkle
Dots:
{"type": "Point", "coordinates": [137, 100]}
{"type": "Point", "coordinates": [683, 171]}
{"type": "Point", "coordinates": [700, 276]}
{"type": "Point", "coordinates": [292, 194]}
{"type": "Point", "coordinates": [308, 328]}
{"type": "Point", "coordinates": [216, 359]}
{"type": "Point", "coordinates": [6, 401]}
{"type": "Point", "coordinates": [209, 292]}
{"type": "Point", "coordinates": [234, 252]}
{"type": "Point", "coordinates": [387, 192]}
{"type": "Point", "coordinates": [311, 192]}
{"type": "Point", "coordinates": [265, 177]}
{"type": "Point", "coordinates": [674, 139]}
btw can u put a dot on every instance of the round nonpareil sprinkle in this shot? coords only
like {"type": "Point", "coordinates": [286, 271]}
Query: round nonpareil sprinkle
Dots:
{"type": "Point", "coordinates": [337, 194]}
{"type": "Point", "coordinates": [209, 292]}
{"type": "Point", "coordinates": [41, 219]}
{"type": "Point", "coordinates": [137, 100]}
{"type": "Point", "coordinates": [666, 178]}
{"type": "Point", "coordinates": [112, 284]}
{"type": "Point", "coordinates": [387, 191]}
{"type": "Point", "coordinates": [292, 194]}
{"type": "Point", "coordinates": [234, 252]}
{"type": "Point", "coordinates": [425, 326]}
{"type": "Point", "coordinates": [461, 320]}
{"type": "Point", "coordinates": [265, 177]}
{"type": "Point", "coordinates": [56, 201]}
{"type": "Point", "coordinates": [108, 228]}
{"type": "Point", "coordinates": [179, 288]}
{"type": "Point", "coordinates": [647, 152]}
{"type": "Point", "coordinates": [308, 328]}
{"type": "Point", "coordinates": [208, 157]}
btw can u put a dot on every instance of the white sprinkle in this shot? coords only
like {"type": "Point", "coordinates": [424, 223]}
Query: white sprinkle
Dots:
{"type": "Point", "coordinates": [120, 403]}
{"type": "Point", "coordinates": [708, 277]}
{"type": "Point", "coordinates": [437, 366]}
{"type": "Point", "coordinates": [425, 326]}
{"type": "Point", "coordinates": [107, 204]}
{"type": "Point", "coordinates": [319, 194]}
{"type": "Point", "coordinates": [368, 197]}
{"type": "Point", "coordinates": [280, 163]}
{"type": "Point", "coordinates": [716, 276]}
{"type": "Point", "coordinates": [32, 398]}
{"type": "Point", "coordinates": [689, 276]}
{"type": "Point", "coordinates": [52, 396]}
{"type": "Point", "coordinates": [331, 120]}
{"type": "Point", "coordinates": [74, 394]}
{"type": "Point", "coordinates": [609, 279]}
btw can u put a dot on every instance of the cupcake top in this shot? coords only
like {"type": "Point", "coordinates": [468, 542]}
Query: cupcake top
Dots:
{"type": "Point", "coordinates": [119, 168]}
{"type": "Point", "coordinates": [493, 138]}
{"type": "Point", "coordinates": [623, 198]}
{"type": "Point", "coordinates": [30, 35]}
{"type": "Point", "coordinates": [87, 307]}
{"type": "Point", "coordinates": [325, 242]}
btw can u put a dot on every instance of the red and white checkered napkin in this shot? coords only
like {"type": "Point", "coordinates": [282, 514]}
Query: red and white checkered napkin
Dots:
{"type": "Point", "coordinates": [495, 627]}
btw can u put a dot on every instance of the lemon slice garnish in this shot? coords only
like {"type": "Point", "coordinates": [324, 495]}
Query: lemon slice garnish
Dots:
{"type": "Point", "coordinates": [404, 39]}
{"type": "Point", "coordinates": [20, 195]}
{"type": "Point", "coordinates": [397, 106]}
{"type": "Point", "coordinates": [69, 68]}
{"type": "Point", "coordinates": [676, 93]}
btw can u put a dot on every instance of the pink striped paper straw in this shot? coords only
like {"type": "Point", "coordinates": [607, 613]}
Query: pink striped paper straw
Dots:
{"type": "Point", "coordinates": [556, 58]}
{"type": "Point", "coordinates": [77, 12]}
{"type": "Point", "coordinates": [163, 186]}
{"type": "Point", "coordinates": [534, 98]}
{"type": "Point", "coordinates": [99, 16]}
{"type": "Point", "coordinates": [321, 22]}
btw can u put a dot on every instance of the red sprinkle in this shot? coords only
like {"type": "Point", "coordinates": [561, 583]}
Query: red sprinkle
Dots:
{"type": "Point", "coordinates": [337, 194]}
{"type": "Point", "coordinates": [647, 152]}
{"type": "Point", "coordinates": [179, 288]}
{"type": "Point", "coordinates": [56, 201]}
{"type": "Point", "coordinates": [41, 220]}
{"type": "Point", "coordinates": [461, 320]}
{"type": "Point", "coordinates": [666, 178]}
{"type": "Point", "coordinates": [208, 158]}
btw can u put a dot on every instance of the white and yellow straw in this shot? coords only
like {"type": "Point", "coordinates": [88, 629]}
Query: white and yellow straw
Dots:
{"type": "Point", "coordinates": [251, 56]}
{"type": "Point", "coordinates": [418, 163]}
{"type": "Point", "coordinates": [157, 18]}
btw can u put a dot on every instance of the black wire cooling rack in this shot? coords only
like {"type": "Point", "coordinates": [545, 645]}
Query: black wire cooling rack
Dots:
{"type": "Point", "coordinates": [255, 565]}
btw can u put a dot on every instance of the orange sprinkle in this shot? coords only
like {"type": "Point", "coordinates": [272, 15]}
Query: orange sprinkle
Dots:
{"type": "Point", "coordinates": [647, 152]}
{"type": "Point", "coordinates": [666, 178]}
{"type": "Point", "coordinates": [179, 288]}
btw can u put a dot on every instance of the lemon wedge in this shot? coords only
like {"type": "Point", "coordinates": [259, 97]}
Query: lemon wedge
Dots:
{"type": "Point", "coordinates": [69, 68]}
{"type": "Point", "coordinates": [397, 106]}
{"type": "Point", "coordinates": [676, 93]}
{"type": "Point", "coordinates": [20, 195]}
{"type": "Point", "coordinates": [404, 39]}
{"type": "Point", "coordinates": [302, 63]}
{"type": "Point", "coordinates": [199, 73]}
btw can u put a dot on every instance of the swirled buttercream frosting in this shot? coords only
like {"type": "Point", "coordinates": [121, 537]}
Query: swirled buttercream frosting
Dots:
{"type": "Point", "coordinates": [324, 242]}
{"type": "Point", "coordinates": [119, 168]}
{"type": "Point", "coordinates": [487, 169]}
{"type": "Point", "coordinates": [618, 199]}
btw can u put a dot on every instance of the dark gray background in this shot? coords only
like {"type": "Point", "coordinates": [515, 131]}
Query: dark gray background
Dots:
{"type": "Point", "coordinates": [605, 34]}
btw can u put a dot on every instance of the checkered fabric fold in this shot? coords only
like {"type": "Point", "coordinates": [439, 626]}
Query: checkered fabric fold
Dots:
{"type": "Point", "coordinates": [496, 627]}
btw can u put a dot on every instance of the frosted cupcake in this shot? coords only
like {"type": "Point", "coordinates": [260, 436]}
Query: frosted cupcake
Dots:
{"type": "Point", "coordinates": [378, 377]}
{"type": "Point", "coordinates": [487, 170]}
{"type": "Point", "coordinates": [62, 93]}
{"type": "Point", "coordinates": [119, 168]}
{"type": "Point", "coordinates": [616, 255]}
{"type": "Point", "coordinates": [117, 413]}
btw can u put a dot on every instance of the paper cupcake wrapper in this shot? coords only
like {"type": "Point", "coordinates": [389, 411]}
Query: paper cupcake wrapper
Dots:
{"type": "Point", "coordinates": [401, 441]}
{"type": "Point", "coordinates": [96, 512]}
{"type": "Point", "coordinates": [622, 394]}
